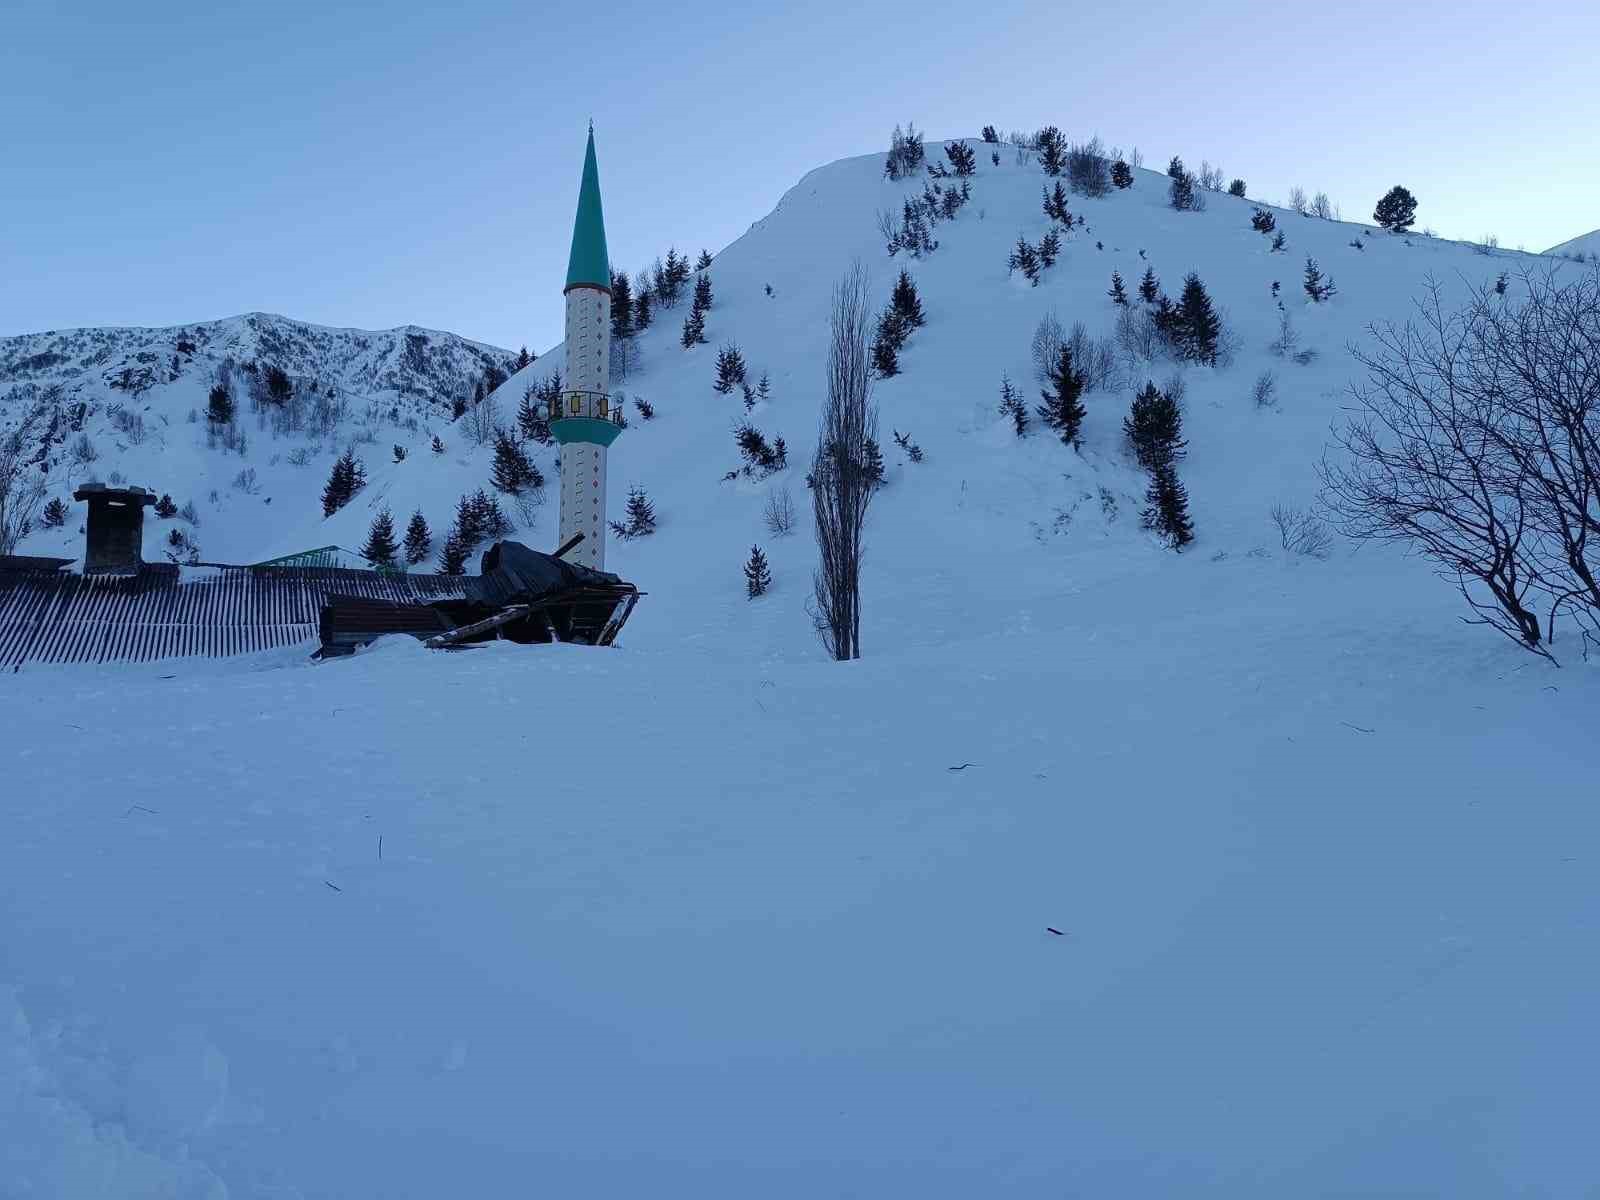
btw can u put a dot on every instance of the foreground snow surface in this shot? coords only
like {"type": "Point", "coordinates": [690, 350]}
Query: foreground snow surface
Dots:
{"type": "Point", "coordinates": [558, 921]}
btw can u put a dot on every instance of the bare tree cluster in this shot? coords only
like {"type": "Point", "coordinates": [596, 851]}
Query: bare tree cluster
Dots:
{"type": "Point", "coordinates": [21, 484]}
{"type": "Point", "coordinates": [1476, 440]}
{"type": "Point", "coordinates": [841, 488]}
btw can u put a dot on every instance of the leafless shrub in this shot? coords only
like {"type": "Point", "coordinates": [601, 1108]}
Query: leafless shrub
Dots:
{"type": "Point", "coordinates": [1137, 335]}
{"type": "Point", "coordinates": [1488, 244]}
{"type": "Point", "coordinates": [116, 479]}
{"type": "Point", "coordinates": [1088, 168]}
{"type": "Point", "coordinates": [1477, 441]}
{"type": "Point", "coordinates": [1306, 357]}
{"type": "Point", "coordinates": [245, 481]}
{"type": "Point", "coordinates": [1264, 393]}
{"type": "Point", "coordinates": [1297, 201]}
{"type": "Point", "coordinates": [190, 513]}
{"type": "Point", "coordinates": [1047, 338]}
{"type": "Point", "coordinates": [1135, 158]}
{"type": "Point", "coordinates": [299, 456]}
{"type": "Point", "coordinates": [1288, 336]}
{"type": "Point", "coordinates": [22, 487]}
{"type": "Point", "coordinates": [1211, 178]}
{"type": "Point", "coordinates": [129, 424]}
{"type": "Point", "coordinates": [1094, 357]}
{"type": "Point", "coordinates": [82, 452]}
{"type": "Point", "coordinates": [1176, 388]}
{"type": "Point", "coordinates": [779, 512]}
{"type": "Point", "coordinates": [841, 484]}
{"type": "Point", "coordinates": [1324, 208]}
{"type": "Point", "coordinates": [1301, 531]}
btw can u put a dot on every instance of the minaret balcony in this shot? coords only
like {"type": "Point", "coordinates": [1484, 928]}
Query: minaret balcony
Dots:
{"type": "Point", "coordinates": [584, 416]}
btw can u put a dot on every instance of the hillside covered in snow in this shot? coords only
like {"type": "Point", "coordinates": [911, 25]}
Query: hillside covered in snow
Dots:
{"type": "Point", "coordinates": [1588, 246]}
{"type": "Point", "coordinates": [1108, 870]}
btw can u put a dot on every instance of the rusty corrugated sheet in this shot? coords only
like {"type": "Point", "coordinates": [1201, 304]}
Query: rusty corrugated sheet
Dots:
{"type": "Point", "coordinates": [59, 617]}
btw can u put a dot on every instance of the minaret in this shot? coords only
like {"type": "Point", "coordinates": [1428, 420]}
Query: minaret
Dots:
{"type": "Point", "coordinates": [586, 424]}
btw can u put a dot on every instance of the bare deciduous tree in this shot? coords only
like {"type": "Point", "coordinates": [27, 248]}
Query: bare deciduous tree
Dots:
{"type": "Point", "coordinates": [841, 487]}
{"type": "Point", "coordinates": [1477, 441]}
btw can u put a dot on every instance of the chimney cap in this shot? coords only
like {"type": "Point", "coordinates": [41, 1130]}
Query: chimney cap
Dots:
{"type": "Point", "coordinates": [127, 495]}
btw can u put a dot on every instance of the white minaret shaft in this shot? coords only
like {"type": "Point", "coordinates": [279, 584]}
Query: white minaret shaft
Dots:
{"type": "Point", "coordinates": [584, 422]}
{"type": "Point", "coordinates": [583, 463]}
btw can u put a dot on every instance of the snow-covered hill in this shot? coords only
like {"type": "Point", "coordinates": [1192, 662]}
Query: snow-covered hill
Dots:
{"type": "Point", "coordinates": [1108, 871]}
{"type": "Point", "coordinates": [1587, 246]}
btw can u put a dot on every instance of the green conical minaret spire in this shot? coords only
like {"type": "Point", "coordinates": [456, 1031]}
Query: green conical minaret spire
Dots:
{"type": "Point", "coordinates": [589, 262]}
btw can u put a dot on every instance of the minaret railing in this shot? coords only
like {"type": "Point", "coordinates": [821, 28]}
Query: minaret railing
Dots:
{"type": "Point", "coordinates": [578, 403]}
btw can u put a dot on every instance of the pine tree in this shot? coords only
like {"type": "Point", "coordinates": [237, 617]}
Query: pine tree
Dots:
{"type": "Point", "coordinates": [1176, 169]}
{"type": "Point", "coordinates": [1055, 205]}
{"type": "Point", "coordinates": [872, 462]}
{"type": "Point", "coordinates": [1118, 293]}
{"type": "Point", "coordinates": [1278, 242]}
{"type": "Point", "coordinates": [764, 388]}
{"type": "Point", "coordinates": [1121, 174]}
{"type": "Point", "coordinates": [962, 160]}
{"type": "Point", "coordinates": [1154, 427]}
{"type": "Point", "coordinates": [990, 136]}
{"type": "Point", "coordinates": [907, 303]}
{"type": "Point", "coordinates": [1397, 210]}
{"type": "Point", "coordinates": [347, 478]}
{"type": "Point", "coordinates": [1262, 221]}
{"type": "Point", "coordinates": [1025, 259]}
{"type": "Point", "coordinates": [642, 312]}
{"type": "Point", "coordinates": [165, 507]}
{"type": "Point", "coordinates": [491, 516]}
{"type": "Point", "coordinates": [1318, 287]}
{"type": "Point", "coordinates": [1011, 406]}
{"type": "Point", "coordinates": [54, 514]}
{"type": "Point", "coordinates": [468, 529]}
{"type": "Point", "coordinates": [641, 516]}
{"type": "Point", "coordinates": [438, 446]}
{"type": "Point", "coordinates": [1200, 329]}
{"type": "Point", "coordinates": [419, 539]}
{"type": "Point", "coordinates": [903, 440]}
{"type": "Point", "coordinates": [621, 305]}
{"type": "Point", "coordinates": [886, 343]}
{"type": "Point", "coordinates": [730, 369]}
{"type": "Point", "coordinates": [1049, 248]}
{"type": "Point", "coordinates": [702, 292]}
{"type": "Point", "coordinates": [757, 575]}
{"type": "Point", "coordinates": [694, 329]}
{"type": "Point", "coordinates": [647, 411]}
{"type": "Point", "coordinates": [380, 547]}
{"type": "Point", "coordinates": [453, 557]}
{"type": "Point", "coordinates": [1149, 287]}
{"type": "Point", "coordinates": [514, 472]}
{"type": "Point", "coordinates": [524, 359]}
{"type": "Point", "coordinates": [219, 405]}
{"type": "Point", "coordinates": [1063, 409]}
{"type": "Point", "coordinates": [704, 261]}
{"type": "Point", "coordinates": [1180, 193]}
{"type": "Point", "coordinates": [1168, 507]}
{"type": "Point", "coordinates": [1236, 188]}
{"type": "Point", "coordinates": [1052, 150]}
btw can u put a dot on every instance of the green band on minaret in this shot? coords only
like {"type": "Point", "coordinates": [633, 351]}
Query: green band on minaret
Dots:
{"type": "Point", "coordinates": [589, 263]}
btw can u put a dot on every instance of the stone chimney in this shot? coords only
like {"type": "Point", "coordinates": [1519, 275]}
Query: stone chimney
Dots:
{"type": "Point", "coordinates": [116, 528]}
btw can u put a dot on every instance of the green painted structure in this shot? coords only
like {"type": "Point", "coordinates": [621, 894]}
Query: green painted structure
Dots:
{"type": "Point", "coordinates": [589, 263]}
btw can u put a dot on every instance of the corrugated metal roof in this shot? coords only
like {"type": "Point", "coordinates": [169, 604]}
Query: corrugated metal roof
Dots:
{"type": "Point", "coordinates": [54, 616]}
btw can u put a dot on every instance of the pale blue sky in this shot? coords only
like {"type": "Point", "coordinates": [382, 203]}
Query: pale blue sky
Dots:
{"type": "Point", "coordinates": [379, 164]}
